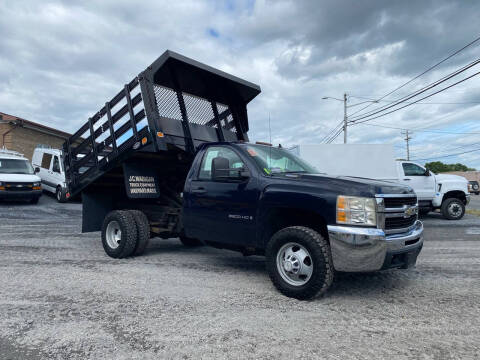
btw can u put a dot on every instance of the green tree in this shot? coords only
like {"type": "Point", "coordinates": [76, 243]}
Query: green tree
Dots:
{"type": "Point", "coordinates": [439, 167]}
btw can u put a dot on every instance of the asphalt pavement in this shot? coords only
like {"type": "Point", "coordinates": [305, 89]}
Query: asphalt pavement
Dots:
{"type": "Point", "coordinates": [61, 297]}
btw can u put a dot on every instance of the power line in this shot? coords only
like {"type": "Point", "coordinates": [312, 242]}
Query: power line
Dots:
{"type": "Point", "coordinates": [332, 131]}
{"type": "Point", "coordinates": [418, 103]}
{"type": "Point", "coordinates": [425, 97]}
{"type": "Point", "coordinates": [454, 148]}
{"type": "Point", "coordinates": [419, 130]}
{"type": "Point", "coordinates": [335, 136]}
{"type": "Point", "coordinates": [418, 92]}
{"type": "Point", "coordinates": [449, 155]}
{"type": "Point", "coordinates": [423, 73]}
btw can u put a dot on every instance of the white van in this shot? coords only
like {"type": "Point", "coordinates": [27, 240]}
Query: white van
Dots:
{"type": "Point", "coordinates": [49, 166]}
{"type": "Point", "coordinates": [17, 178]}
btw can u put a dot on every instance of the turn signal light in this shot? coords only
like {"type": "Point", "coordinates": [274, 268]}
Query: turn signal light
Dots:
{"type": "Point", "coordinates": [37, 188]}
{"type": "Point", "coordinates": [2, 187]}
{"type": "Point", "coordinates": [160, 134]}
{"type": "Point", "coordinates": [144, 141]}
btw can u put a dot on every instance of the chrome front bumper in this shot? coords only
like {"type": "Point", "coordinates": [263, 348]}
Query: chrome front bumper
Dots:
{"type": "Point", "coordinates": [357, 249]}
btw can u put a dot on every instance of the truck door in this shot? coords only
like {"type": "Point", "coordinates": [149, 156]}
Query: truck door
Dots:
{"type": "Point", "coordinates": [45, 171]}
{"type": "Point", "coordinates": [419, 179]}
{"type": "Point", "coordinates": [221, 210]}
{"type": "Point", "coordinates": [57, 174]}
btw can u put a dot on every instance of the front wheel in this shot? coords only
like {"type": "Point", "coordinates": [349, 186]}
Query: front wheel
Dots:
{"type": "Point", "coordinates": [60, 195]}
{"type": "Point", "coordinates": [453, 209]}
{"type": "Point", "coordinates": [299, 262]}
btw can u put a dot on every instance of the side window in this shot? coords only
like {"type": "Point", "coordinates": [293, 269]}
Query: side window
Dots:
{"type": "Point", "coordinates": [206, 168]}
{"type": "Point", "coordinates": [413, 170]}
{"type": "Point", "coordinates": [46, 159]}
{"type": "Point", "coordinates": [56, 165]}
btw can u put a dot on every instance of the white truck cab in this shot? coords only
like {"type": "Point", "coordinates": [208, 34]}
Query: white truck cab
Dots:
{"type": "Point", "coordinates": [49, 166]}
{"type": "Point", "coordinates": [449, 193]}
{"type": "Point", "coordinates": [17, 178]}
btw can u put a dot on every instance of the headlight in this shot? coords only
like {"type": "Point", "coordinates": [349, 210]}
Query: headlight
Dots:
{"type": "Point", "coordinates": [1, 183]}
{"type": "Point", "coordinates": [36, 184]}
{"type": "Point", "coordinates": [354, 210]}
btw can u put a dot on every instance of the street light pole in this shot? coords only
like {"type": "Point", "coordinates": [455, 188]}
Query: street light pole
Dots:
{"type": "Point", "coordinates": [345, 118]}
{"type": "Point", "coordinates": [345, 106]}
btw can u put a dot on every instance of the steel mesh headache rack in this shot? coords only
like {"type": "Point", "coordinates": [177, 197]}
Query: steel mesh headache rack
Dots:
{"type": "Point", "coordinates": [175, 104]}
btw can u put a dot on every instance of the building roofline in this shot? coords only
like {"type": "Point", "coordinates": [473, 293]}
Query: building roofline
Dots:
{"type": "Point", "coordinates": [19, 120]}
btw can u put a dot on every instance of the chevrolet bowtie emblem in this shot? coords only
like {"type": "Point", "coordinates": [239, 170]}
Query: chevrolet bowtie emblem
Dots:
{"type": "Point", "coordinates": [410, 211]}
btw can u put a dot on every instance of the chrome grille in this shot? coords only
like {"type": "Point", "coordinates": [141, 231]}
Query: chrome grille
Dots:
{"type": "Point", "coordinates": [397, 213]}
{"type": "Point", "coordinates": [18, 186]}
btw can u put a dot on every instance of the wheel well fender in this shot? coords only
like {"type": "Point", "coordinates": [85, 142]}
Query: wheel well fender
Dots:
{"type": "Point", "coordinates": [276, 219]}
{"type": "Point", "coordinates": [457, 194]}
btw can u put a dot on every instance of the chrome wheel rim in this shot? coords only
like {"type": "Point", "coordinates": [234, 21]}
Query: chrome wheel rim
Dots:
{"type": "Point", "coordinates": [454, 209]}
{"type": "Point", "coordinates": [294, 264]}
{"type": "Point", "coordinates": [113, 234]}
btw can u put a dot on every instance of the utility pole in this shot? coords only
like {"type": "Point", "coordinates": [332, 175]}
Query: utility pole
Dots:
{"type": "Point", "coordinates": [407, 140]}
{"type": "Point", "coordinates": [345, 118]}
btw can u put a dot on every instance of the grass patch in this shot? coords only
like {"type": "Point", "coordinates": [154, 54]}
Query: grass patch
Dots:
{"type": "Point", "coordinates": [473, 212]}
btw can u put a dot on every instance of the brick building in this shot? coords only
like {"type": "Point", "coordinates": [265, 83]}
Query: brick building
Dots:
{"type": "Point", "coordinates": [23, 135]}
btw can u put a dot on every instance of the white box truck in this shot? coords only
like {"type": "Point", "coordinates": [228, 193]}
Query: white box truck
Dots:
{"type": "Point", "coordinates": [449, 193]}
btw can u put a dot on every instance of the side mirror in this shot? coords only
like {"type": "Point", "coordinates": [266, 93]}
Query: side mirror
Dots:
{"type": "Point", "coordinates": [36, 170]}
{"type": "Point", "coordinates": [221, 170]}
{"type": "Point", "coordinates": [427, 173]}
{"type": "Point", "coordinates": [220, 167]}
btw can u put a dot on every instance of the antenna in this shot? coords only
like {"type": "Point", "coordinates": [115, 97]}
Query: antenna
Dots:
{"type": "Point", "coordinates": [270, 135]}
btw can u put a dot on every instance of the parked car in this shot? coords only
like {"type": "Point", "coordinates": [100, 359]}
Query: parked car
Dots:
{"type": "Point", "coordinates": [474, 187]}
{"type": "Point", "coordinates": [17, 178]}
{"type": "Point", "coordinates": [49, 163]}
{"type": "Point", "coordinates": [448, 193]}
{"type": "Point", "coordinates": [175, 161]}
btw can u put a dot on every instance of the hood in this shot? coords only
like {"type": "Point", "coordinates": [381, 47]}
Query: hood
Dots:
{"type": "Point", "coordinates": [441, 178]}
{"type": "Point", "coordinates": [19, 178]}
{"type": "Point", "coordinates": [354, 186]}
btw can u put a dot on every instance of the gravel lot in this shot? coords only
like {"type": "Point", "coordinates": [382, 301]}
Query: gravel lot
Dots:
{"type": "Point", "coordinates": [62, 297]}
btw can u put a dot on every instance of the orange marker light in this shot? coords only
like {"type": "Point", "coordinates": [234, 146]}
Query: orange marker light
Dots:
{"type": "Point", "coordinates": [144, 141]}
{"type": "Point", "coordinates": [160, 134]}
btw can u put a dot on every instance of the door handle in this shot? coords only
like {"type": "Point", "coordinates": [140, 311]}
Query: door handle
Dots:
{"type": "Point", "coordinates": [407, 179]}
{"type": "Point", "coordinates": [199, 190]}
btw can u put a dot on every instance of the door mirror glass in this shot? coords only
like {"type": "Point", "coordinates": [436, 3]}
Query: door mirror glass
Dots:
{"type": "Point", "coordinates": [37, 170]}
{"type": "Point", "coordinates": [428, 173]}
{"type": "Point", "coordinates": [221, 170]}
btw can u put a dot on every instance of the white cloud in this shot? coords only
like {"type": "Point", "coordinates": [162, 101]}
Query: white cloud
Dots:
{"type": "Point", "coordinates": [61, 60]}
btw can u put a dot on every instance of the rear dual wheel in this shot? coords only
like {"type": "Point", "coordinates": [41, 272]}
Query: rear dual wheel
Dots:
{"type": "Point", "coordinates": [125, 233]}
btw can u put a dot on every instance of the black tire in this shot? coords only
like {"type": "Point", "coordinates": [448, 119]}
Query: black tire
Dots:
{"type": "Point", "coordinates": [34, 200]}
{"type": "Point", "coordinates": [190, 242]}
{"type": "Point", "coordinates": [319, 250]}
{"type": "Point", "coordinates": [143, 231]}
{"type": "Point", "coordinates": [128, 238]}
{"type": "Point", "coordinates": [60, 195]}
{"type": "Point", "coordinates": [451, 204]}
{"type": "Point", "coordinates": [424, 212]}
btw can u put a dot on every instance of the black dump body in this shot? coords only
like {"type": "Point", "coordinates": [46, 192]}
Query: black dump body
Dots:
{"type": "Point", "coordinates": [155, 123]}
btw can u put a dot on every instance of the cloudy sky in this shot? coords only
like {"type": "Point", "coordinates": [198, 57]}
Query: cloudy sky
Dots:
{"type": "Point", "coordinates": [61, 60]}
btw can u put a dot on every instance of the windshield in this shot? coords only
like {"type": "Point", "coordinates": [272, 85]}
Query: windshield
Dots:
{"type": "Point", "coordinates": [278, 161]}
{"type": "Point", "coordinates": [14, 166]}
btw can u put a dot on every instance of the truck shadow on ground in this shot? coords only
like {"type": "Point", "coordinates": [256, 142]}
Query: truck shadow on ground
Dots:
{"type": "Point", "coordinates": [344, 284]}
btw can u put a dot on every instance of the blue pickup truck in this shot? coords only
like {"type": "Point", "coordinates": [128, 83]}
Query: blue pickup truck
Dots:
{"type": "Point", "coordinates": [169, 156]}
